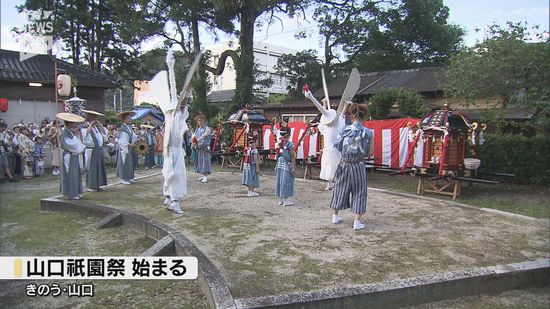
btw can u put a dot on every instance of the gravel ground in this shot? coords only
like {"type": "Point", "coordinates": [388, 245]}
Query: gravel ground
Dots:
{"type": "Point", "coordinates": [263, 248]}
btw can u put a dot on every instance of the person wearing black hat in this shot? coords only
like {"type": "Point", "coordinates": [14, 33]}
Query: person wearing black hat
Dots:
{"type": "Point", "coordinates": [285, 167]}
{"type": "Point", "coordinates": [251, 168]}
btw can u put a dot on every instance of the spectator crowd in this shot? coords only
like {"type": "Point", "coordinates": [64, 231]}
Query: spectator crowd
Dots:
{"type": "Point", "coordinates": [27, 149]}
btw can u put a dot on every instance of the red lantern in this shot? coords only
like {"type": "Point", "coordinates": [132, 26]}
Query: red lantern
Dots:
{"type": "Point", "coordinates": [4, 104]}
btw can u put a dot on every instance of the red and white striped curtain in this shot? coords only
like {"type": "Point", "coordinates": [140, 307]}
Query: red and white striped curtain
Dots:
{"type": "Point", "coordinates": [308, 147]}
{"type": "Point", "coordinates": [391, 141]}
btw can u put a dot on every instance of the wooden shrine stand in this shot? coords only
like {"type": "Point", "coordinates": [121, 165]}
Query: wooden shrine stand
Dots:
{"type": "Point", "coordinates": [442, 186]}
{"type": "Point", "coordinates": [313, 170]}
{"type": "Point", "coordinates": [233, 161]}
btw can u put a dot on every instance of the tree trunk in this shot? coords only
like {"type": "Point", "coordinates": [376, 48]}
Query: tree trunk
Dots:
{"type": "Point", "coordinates": [245, 63]}
{"type": "Point", "coordinates": [328, 58]}
{"type": "Point", "coordinates": [199, 104]}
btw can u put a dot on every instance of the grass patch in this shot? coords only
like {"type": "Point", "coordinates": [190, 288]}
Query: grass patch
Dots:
{"type": "Point", "coordinates": [27, 231]}
{"type": "Point", "coordinates": [529, 200]}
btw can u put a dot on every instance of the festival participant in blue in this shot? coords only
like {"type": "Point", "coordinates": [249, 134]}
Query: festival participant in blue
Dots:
{"type": "Point", "coordinates": [285, 167]}
{"type": "Point", "coordinates": [71, 159]}
{"type": "Point", "coordinates": [201, 139]}
{"type": "Point", "coordinates": [95, 136]}
{"type": "Point", "coordinates": [126, 139]}
{"type": "Point", "coordinates": [251, 168]}
{"type": "Point", "coordinates": [350, 180]}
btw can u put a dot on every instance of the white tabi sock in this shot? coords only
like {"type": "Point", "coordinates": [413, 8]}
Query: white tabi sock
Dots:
{"type": "Point", "coordinates": [357, 225]}
{"type": "Point", "coordinates": [336, 219]}
{"type": "Point", "coordinates": [167, 202]}
{"type": "Point", "coordinates": [175, 206]}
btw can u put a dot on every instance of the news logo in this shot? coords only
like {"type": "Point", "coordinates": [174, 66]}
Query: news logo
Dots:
{"type": "Point", "coordinates": [99, 268]}
{"type": "Point", "coordinates": [36, 37]}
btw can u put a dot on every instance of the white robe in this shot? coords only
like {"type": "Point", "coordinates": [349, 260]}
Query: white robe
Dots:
{"type": "Point", "coordinates": [123, 142]}
{"type": "Point", "coordinates": [89, 142]}
{"type": "Point", "coordinates": [74, 146]}
{"type": "Point", "coordinates": [331, 156]}
{"type": "Point", "coordinates": [173, 170]}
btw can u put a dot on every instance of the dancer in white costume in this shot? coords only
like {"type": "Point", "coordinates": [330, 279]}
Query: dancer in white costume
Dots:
{"type": "Point", "coordinates": [174, 172]}
{"type": "Point", "coordinates": [331, 123]}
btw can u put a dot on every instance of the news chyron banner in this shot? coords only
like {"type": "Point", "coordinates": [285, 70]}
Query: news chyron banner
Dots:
{"type": "Point", "coordinates": [98, 268]}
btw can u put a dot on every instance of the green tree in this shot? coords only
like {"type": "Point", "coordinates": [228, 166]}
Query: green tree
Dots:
{"type": "Point", "coordinates": [86, 31]}
{"type": "Point", "coordinates": [380, 35]}
{"type": "Point", "coordinates": [375, 35]}
{"type": "Point", "coordinates": [508, 65]}
{"type": "Point", "coordinates": [410, 103]}
{"type": "Point", "coordinates": [301, 68]}
{"type": "Point", "coordinates": [178, 22]}
{"type": "Point", "coordinates": [247, 12]}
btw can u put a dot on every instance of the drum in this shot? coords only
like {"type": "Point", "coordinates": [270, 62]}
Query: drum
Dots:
{"type": "Point", "coordinates": [142, 148]}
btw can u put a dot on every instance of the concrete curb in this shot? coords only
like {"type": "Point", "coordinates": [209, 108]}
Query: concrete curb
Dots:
{"type": "Point", "coordinates": [413, 291]}
{"type": "Point", "coordinates": [210, 279]}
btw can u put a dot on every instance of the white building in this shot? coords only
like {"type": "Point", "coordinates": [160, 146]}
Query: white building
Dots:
{"type": "Point", "coordinates": [265, 56]}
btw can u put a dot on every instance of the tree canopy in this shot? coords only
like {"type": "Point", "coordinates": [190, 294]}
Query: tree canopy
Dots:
{"type": "Point", "coordinates": [301, 68]}
{"type": "Point", "coordinates": [373, 35]}
{"type": "Point", "coordinates": [507, 65]}
{"type": "Point", "coordinates": [376, 35]}
{"type": "Point", "coordinates": [411, 103]}
{"type": "Point", "coordinates": [367, 34]}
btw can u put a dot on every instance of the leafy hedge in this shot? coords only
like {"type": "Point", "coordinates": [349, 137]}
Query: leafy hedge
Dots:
{"type": "Point", "coordinates": [410, 103]}
{"type": "Point", "coordinates": [527, 158]}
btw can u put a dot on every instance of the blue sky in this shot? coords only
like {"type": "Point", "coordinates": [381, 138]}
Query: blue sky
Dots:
{"type": "Point", "coordinates": [469, 14]}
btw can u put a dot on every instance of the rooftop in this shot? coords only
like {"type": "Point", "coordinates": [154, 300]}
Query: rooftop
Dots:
{"type": "Point", "coordinates": [428, 79]}
{"type": "Point", "coordinates": [40, 68]}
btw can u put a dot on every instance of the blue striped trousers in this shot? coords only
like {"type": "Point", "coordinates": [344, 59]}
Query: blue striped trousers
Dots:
{"type": "Point", "coordinates": [350, 187]}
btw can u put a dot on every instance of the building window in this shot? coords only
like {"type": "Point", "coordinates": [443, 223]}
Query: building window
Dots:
{"type": "Point", "coordinates": [299, 117]}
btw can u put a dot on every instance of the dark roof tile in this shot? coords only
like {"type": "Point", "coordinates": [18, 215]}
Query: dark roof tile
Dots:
{"type": "Point", "coordinates": [420, 79]}
{"type": "Point", "coordinates": [40, 68]}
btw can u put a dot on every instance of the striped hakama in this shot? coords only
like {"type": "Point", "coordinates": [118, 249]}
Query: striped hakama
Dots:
{"type": "Point", "coordinates": [150, 156]}
{"type": "Point", "coordinates": [203, 159]}
{"type": "Point", "coordinates": [250, 174]}
{"type": "Point", "coordinates": [350, 180]}
{"type": "Point", "coordinates": [125, 162]}
{"type": "Point", "coordinates": [135, 158]}
{"type": "Point", "coordinates": [71, 181]}
{"type": "Point", "coordinates": [284, 184]}
{"type": "Point", "coordinates": [96, 175]}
